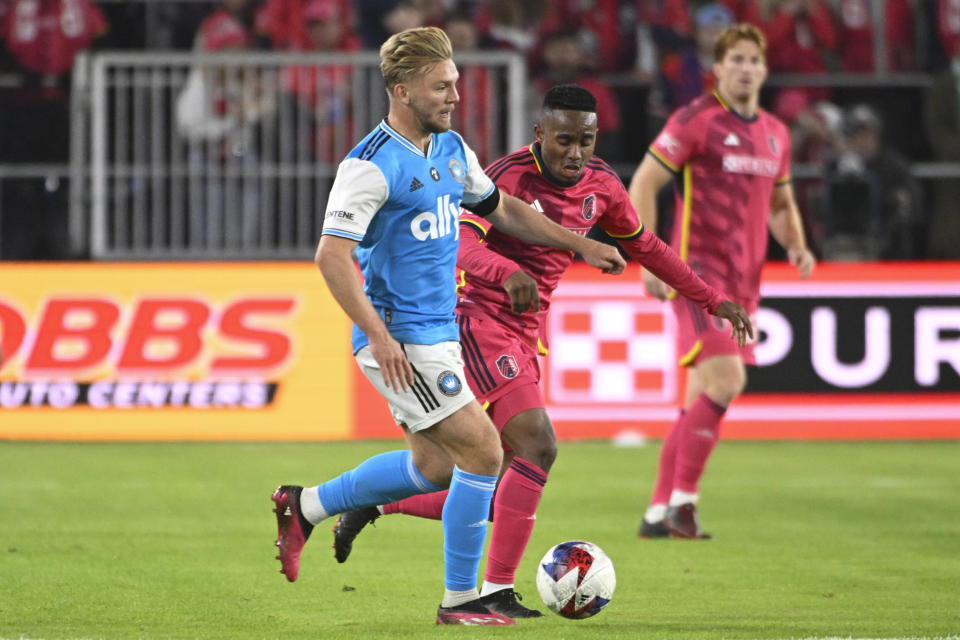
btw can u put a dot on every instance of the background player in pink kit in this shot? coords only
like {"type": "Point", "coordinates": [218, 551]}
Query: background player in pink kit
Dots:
{"type": "Point", "coordinates": [731, 162]}
{"type": "Point", "coordinates": [501, 280]}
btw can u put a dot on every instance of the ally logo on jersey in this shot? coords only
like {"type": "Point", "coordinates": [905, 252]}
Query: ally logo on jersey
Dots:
{"type": "Point", "coordinates": [430, 225]}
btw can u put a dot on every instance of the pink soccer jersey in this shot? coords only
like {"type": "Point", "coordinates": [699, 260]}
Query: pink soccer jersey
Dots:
{"type": "Point", "coordinates": [598, 197]}
{"type": "Point", "coordinates": [727, 168]}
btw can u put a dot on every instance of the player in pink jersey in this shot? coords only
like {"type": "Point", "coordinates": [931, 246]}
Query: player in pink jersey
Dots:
{"type": "Point", "coordinates": [731, 163]}
{"type": "Point", "coordinates": [504, 296]}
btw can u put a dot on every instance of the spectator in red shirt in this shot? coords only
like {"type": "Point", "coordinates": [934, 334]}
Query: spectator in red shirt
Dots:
{"type": "Point", "coordinates": [801, 37]}
{"type": "Point", "coordinates": [855, 35]}
{"type": "Point", "coordinates": [799, 32]}
{"type": "Point", "coordinates": [947, 20]}
{"type": "Point", "coordinates": [564, 59]}
{"type": "Point", "coordinates": [323, 91]}
{"type": "Point", "coordinates": [285, 23]}
{"type": "Point", "coordinates": [327, 26]}
{"type": "Point", "coordinates": [280, 23]}
{"type": "Point", "coordinates": [230, 26]}
{"type": "Point", "coordinates": [42, 39]}
{"type": "Point", "coordinates": [603, 33]}
{"type": "Point", "coordinates": [44, 36]}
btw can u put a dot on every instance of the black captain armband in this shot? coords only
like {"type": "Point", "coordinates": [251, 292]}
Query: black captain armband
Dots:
{"type": "Point", "coordinates": [486, 206]}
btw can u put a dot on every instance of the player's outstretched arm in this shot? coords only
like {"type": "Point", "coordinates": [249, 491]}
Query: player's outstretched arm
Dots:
{"type": "Point", "coordinates": [335, 259]}
{"type": "Point", "coordinates": [786, 227]}
{"type": "Point", "coordinates": [519, 219]}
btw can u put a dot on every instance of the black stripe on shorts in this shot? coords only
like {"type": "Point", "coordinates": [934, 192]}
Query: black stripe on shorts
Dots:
{"type": "Point", "coordinates": [475, 361]}
{"type": "Point", "coordinates": [424, 389]}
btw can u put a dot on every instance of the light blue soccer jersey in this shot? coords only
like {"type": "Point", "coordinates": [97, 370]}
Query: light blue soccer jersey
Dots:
{"type": "Point", "coordinates": [402, 206]}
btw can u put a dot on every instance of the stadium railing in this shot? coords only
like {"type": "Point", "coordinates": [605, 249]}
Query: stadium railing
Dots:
{"type": "Point", "coordinates": [230, 156]}
{"type": "Point", "coordinates": [130, 183]}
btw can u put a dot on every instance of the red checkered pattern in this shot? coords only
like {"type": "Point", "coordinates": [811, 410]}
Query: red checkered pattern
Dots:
{"type": "Point", "coordinates": [611, 350]}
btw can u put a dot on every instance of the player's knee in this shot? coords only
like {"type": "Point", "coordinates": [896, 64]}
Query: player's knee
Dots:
{"type": "Point", "coordinates": [532, 438]}
{"type": "Point", "coordinates": [488, 457]}
{"type": "Point", "coordinates": [723, 390]}
{"type": "Point", "coordinates": [543, 455]}
{"type": "Point", "coordinates": [436, 469]}
{"type": "Point", "coordinates": [541, 451]}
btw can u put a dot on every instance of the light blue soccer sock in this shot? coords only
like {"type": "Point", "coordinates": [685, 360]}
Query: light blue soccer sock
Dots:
{"type": "Point", "coordinates": [465, 528]}
{"type": "Point", "coordinates": [382, 479]}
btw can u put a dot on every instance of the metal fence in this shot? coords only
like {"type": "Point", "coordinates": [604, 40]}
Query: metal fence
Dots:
{"type": "Point", "coordinates": [187, 156]}
{"type": "Point", "coordinates": [246, 176]}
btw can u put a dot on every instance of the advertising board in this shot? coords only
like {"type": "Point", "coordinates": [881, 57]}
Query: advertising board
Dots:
{"type": "Point", "coordinates": [138, 351]}
{"type": "Point", "coordinates": [260, 351]}
{"type": "Point", "coordinates": [856, 351]}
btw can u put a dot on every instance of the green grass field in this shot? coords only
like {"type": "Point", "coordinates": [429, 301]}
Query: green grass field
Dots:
{"type": "Point", "coordinates": [812, 540]}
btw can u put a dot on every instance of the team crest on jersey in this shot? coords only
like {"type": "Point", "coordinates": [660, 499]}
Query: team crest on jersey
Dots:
{"type": "Point", "coordinates": [772, 143]}
{"type": "Point", "coordinates": [435, 174]}
{"type": "Point", "coordinates": [457, 171]}
{"type": "Point", "coordinates": [449, 384]}
{"type": "Point", "coordinates": [589, 207]}
{"type": "Point", "coordinates": [508, 366]}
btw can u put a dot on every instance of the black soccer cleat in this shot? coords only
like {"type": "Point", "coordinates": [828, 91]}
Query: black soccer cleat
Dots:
{"type": "Point", "coordinates": [472, 614]}
{"type": "Point", "coordinates": [683, 523]}
{"type": "Point", "coordinates": [506, 602]}
{"type": "Point", "coordinates": [649, 530]}
{"type": "Point", "coordinates": [348, 526]}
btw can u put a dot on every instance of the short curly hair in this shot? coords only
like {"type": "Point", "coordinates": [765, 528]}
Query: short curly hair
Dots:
{"type": "Point", "coordinates": [569, 97]}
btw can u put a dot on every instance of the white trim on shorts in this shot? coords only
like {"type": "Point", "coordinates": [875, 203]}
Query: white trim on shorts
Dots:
{"type": "Point", "coordinates": [428, 400]}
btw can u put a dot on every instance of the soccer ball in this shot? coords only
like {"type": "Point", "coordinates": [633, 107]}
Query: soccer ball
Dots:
{"type": "Point", "coordinates": [576, 579]}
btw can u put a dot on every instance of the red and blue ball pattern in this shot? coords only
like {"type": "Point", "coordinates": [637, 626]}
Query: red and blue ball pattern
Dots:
{"type": "Point", "coordinates": [576, 579]}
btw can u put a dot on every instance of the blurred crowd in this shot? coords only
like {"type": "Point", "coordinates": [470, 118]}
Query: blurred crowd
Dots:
{"type": "Point", "coordinates": [641, 58]}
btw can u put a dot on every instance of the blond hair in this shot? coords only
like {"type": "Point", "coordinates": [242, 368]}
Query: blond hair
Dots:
{"type": "Point", "coordinates": [407, 54]}
{"type": "Point", "coordinates": [734, 34]}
